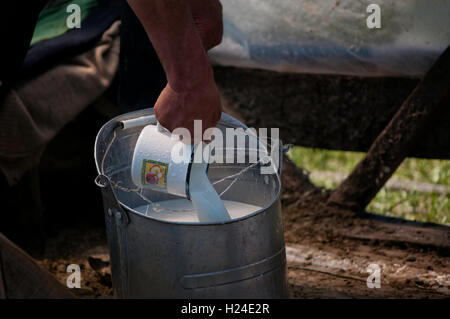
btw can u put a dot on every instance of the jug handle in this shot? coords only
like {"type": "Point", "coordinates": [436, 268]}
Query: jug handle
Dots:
{"type": "Point", "coordinates": [162, 129]}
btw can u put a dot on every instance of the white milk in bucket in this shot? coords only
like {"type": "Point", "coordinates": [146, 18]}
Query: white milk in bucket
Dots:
{"type": "Point", "coordinates": [182, 210]}
{"type": "Point", "coordinates": [154, 167]}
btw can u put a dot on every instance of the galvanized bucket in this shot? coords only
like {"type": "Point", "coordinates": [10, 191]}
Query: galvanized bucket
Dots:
{"type": "Point", "coordinates": [150, 258]}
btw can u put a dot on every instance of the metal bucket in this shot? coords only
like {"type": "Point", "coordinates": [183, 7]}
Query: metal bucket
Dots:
{"type": "Point", "coordinates": [150, 258]}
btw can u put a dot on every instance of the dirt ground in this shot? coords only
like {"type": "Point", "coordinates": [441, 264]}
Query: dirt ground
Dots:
{"type": "Point", "coordinates": [328, 251]}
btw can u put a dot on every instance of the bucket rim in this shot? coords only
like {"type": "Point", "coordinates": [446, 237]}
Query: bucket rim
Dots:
{"type": "Point", "coordinates": [224, 120]}
{"type": "Point", "coordinates": [115, 122]}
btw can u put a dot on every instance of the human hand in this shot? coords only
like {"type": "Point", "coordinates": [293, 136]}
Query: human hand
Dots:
{"type": "Point", "coordinates": [179, 109]}
{"type": "Point", "coordinates": [181, 32]}
{"type": "Point", "coordinates": [179, 105]}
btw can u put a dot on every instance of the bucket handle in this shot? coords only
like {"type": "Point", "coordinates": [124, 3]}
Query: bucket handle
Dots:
{"type": "Point", "coordinates": [114, 209]}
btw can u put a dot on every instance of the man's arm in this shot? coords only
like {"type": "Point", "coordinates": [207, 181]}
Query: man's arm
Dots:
{"type": "Point", "coordinates": [191, 92]}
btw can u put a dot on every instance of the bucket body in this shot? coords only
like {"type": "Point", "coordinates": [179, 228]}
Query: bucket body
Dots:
{"type": "Point", "coordinates": [151, 258]}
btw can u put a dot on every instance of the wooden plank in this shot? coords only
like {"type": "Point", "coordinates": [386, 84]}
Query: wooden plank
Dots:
{"type": "Point", "coordinates": [430, 236]}
{"type": "Point", "coordinates": [333, 112]}
{"type": "Point", "coordinates": [23, 278]}
{"type": "Point", "coordinates": [395, 142]}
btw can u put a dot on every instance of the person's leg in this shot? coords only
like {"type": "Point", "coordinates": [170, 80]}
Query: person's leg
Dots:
{"type": "Point", "coordinates": [141, 74]}
{"type": "Point", "coordinates": [17, 22]}
{"type": "Point", "coordinates": [22, 209]}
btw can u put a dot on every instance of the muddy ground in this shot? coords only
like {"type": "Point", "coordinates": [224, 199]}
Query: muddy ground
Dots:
{"type": "Point", "coordinates": [328, 251]}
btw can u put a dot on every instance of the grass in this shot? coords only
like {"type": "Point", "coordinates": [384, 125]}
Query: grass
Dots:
{"type": "Point", "coordinates": [411, 205]}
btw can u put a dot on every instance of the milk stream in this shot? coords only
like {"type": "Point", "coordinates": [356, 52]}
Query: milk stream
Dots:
{"type": "Point", "coordinates": [206, 201]}
{"type": "Point", "coordinates": [182, 210]}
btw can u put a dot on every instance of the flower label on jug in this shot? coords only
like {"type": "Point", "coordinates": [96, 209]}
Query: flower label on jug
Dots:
{"type": "Point", "coordinates": [154, 173]}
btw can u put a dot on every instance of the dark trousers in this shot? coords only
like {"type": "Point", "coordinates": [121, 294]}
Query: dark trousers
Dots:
{"type": "Point", "coordinates": [141, 75]}
{"type": "Point", "coordinates": [17, 22]}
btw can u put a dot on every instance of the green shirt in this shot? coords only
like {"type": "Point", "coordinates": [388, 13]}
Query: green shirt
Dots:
{"type": "Point", "coordinates": [52, 19]}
